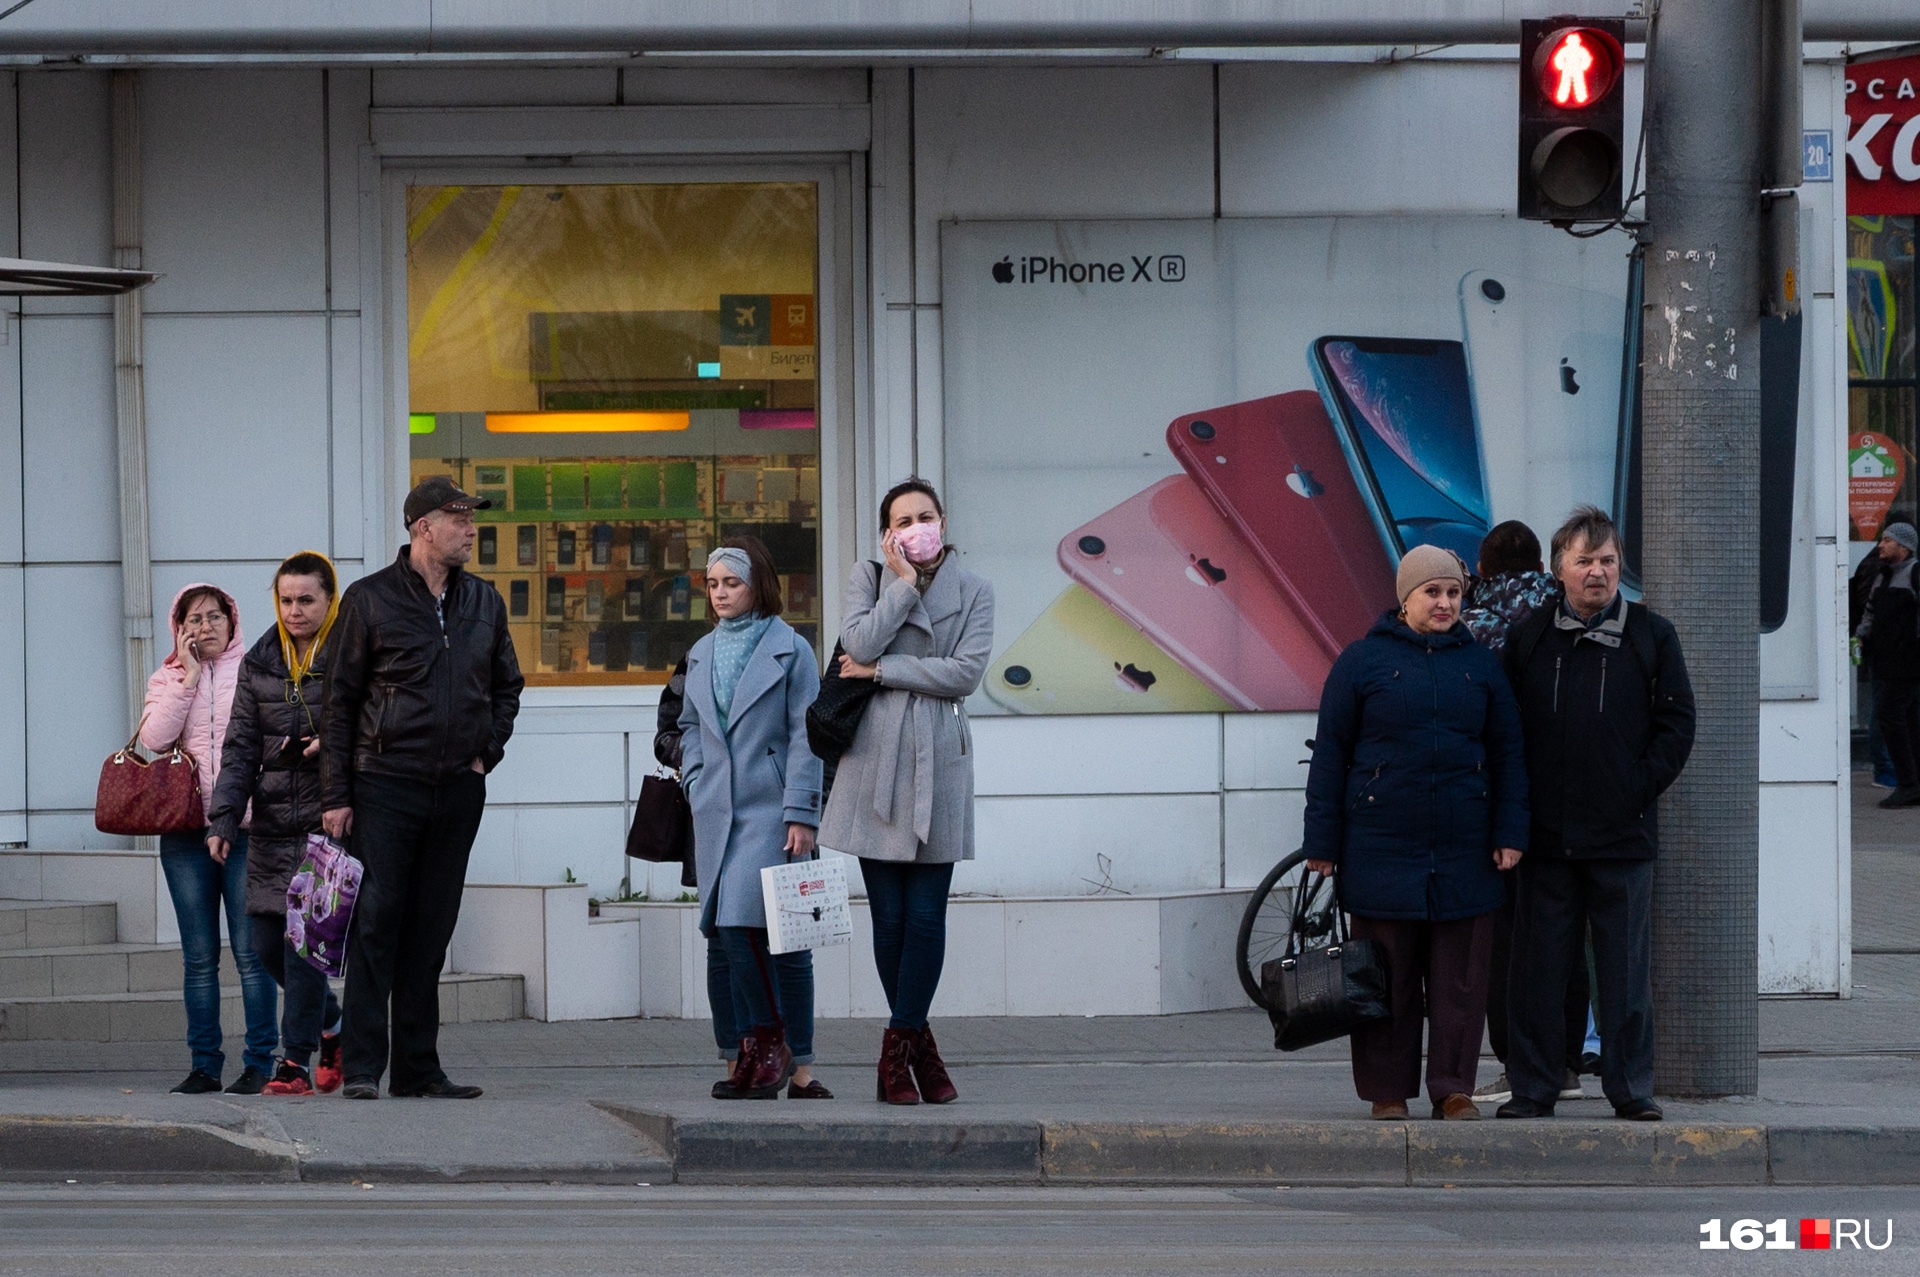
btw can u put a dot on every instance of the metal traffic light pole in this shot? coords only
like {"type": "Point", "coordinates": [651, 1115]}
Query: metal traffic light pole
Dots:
{"type": "Point", "coordinates": [1706, 169]}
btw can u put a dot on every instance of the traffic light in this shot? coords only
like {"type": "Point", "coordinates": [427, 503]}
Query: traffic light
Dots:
{"type": "Point", "coordinates": [1572, 83]}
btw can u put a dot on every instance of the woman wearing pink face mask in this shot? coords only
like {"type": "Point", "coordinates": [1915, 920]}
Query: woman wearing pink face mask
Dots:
{"type": "Point", "coordinates": [921, 626]}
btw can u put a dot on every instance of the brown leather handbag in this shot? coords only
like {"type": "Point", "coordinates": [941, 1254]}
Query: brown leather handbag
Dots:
{"type": "Point", "coordinates": [138, 796]}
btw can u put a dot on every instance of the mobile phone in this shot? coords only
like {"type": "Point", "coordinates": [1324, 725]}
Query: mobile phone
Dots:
{"type": "Point", "coordinates": [1275, 470]}
{"type": "Point", "coordinates": [528, 549]}
{"type": "Point", "coordinates": [1405, 419]}
{"type": "Point", "coordinates": [602, 543]}
{"type": "Point", "coordinates": [1171, 566]}
{"type": "Point", "coordinates": [1545, 370]}
{"type": "Point", "coordinates": [488, 551]}
{"type": "Point", "coordinates": [294, 750]}
{"type": "Point", "coordinates": [596, 598]}
{"type": "Point", "coordinates": [517, 600]}
{"type": "Point", "coordinates": [680, 599]}
{"type": "Point", "coordinates": [550, 646]}
{"type": "Point", "coordinates": [639, 547]}
{"type": "Point", "coordinates": [565, 540]}
{"type": "Point", "coordinates": [556, 598]}
{"type": "Point", "coordinates": [1078, 657]}
{"type": "Point", "coordinates": [597, 647]}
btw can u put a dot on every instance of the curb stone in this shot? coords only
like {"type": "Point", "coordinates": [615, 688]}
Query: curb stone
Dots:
{"type": "Point", "coordinates": [39, 1148]}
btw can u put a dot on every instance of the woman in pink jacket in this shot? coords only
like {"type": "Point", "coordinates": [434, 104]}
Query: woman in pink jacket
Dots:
{"type": "Point", "coordinates": [188, 700]}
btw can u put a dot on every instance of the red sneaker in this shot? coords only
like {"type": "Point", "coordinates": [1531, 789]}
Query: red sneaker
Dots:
{"type": "Point", "coordinates": [326, 1074]}
{"type": "Point", "coordinates": [289, 1079]}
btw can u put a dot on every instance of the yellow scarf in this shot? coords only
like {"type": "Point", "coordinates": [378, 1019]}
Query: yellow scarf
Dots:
{"type": "Point", "coordinates": [297, 668]}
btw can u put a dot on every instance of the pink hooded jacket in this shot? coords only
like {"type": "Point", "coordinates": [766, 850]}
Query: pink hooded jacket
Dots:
{"type": "Point", "coordinates": [196, 718]}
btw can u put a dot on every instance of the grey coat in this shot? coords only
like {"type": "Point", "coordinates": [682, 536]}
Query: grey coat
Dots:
{"type": "Point", "coordinates": [748, 784]}
{"type": "Point", "coordinates": [904, 791]}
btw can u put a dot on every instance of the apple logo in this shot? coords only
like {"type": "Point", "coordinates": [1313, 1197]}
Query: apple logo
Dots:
{"type": "Point", "coordinates": [1203, 572]}
{"type": "Point", "coordinates": [1568, 386]}
{"type": "Point", "coordinates": [1003, 271]}
{"type": "Point", "coordinates": [1132, 678]}
{"type": "Point", "coordinates": [1303, 483]}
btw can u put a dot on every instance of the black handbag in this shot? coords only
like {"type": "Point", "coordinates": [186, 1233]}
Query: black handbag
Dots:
{"type": "Point", "coordinates": [662, 829]}
{"type": "Point", "coordinates": [834, 717]}
{"type": "Point", "coordinates": [1316, 995]}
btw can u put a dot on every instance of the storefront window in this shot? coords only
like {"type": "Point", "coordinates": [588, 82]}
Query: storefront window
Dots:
{"type": "Point", "coordinates": [1883, 372]}
{"type": "Point", "coordinates": [629, 373]}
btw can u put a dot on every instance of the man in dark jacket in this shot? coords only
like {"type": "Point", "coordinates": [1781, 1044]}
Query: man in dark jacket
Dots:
{"type": "Point", "coordinates": [1607, 713]}
{"type": "Point", "coordinates": [421, 697]}
{"type": "Point", "coordinates": [1889, 634]}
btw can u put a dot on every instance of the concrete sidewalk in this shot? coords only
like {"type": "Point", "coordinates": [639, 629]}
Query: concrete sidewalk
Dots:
{"type": "Point", "coordinates": [1151, 1100]}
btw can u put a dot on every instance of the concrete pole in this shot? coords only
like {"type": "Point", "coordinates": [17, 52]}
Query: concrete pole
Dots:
{"type": "Point", "coordinates": [130, 399]}
{"type": "Point", "coordinates": [1701, 500]}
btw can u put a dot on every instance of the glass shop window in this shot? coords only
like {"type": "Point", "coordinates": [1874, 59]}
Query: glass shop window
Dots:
{"type": "Point", "coordinates": [629, 372]}
{"type": "Point", "coordinates": [1883, 374]}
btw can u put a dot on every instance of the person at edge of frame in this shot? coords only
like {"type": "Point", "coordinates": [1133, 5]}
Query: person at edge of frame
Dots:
{"type": "Point", "coordinates": [1889, 637]}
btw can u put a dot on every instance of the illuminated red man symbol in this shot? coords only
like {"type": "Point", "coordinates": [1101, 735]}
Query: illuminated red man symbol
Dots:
{"type": "Point", "coordinates": [1572, 60]}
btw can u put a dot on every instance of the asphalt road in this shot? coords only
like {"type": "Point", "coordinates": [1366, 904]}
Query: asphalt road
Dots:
{"type": "Point", "coordinates": [514, 1230]}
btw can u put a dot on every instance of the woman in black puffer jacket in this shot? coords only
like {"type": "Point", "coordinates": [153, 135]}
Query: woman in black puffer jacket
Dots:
{"type": "Point", "coordinates": [270, 781]}
{"type": "Point", "coordinates": [1416, 800]}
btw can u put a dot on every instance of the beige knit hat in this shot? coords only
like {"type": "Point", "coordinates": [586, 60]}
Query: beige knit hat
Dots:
{"type": "Point", "coordinates": [1424, 563]}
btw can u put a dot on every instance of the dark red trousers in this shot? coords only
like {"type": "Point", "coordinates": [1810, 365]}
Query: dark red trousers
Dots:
{"type": "Point", "coordinates": [1437, 973]}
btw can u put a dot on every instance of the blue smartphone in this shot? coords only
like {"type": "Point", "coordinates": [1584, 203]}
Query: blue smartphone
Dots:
{"type": "Point", "coordinates": [1404, 415]}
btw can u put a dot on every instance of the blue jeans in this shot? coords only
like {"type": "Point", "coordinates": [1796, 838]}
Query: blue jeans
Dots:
{"type": "Point", "coordinates": [199, 887]}
{"type": "Point", "coordinates": [909, 904]}
{"type": "Point", "coordinates": [792, 980]}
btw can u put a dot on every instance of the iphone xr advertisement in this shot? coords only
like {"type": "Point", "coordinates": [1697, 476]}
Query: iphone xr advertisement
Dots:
{"type": "Point", "coordinates": [1190, 454]}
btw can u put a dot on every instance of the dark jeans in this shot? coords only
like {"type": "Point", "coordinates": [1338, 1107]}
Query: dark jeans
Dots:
{"type": "Point", "coordinates": [1436, 972]}
{"type": "Point", "coordinates": [1896, 711]}
{"type": "Point", "coordinates": [793, 985]}
{"type": "Point", "coordinates": [307, 1006]}
{"type": "Point", "coordinates": [909, 905]}
{"type": "Point", "coordinates": [1497, 976]}
{"type": "Point", "coordinates": [414, 840]}
{"type": "Point", "coordinates": [1559, 900]}
{"type": "Point", "coordinates": [1876, 741]}
{"type": "Point", "coordinates": [760, 996]}
{"type": "Point", "coordinates": [200, 887]}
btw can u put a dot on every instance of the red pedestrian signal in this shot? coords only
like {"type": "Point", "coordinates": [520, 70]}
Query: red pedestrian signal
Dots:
{"type": "Point", "coordinates": [1571, 119]}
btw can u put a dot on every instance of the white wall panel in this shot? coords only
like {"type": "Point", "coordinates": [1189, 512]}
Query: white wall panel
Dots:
{"type": "Point", "coordinates": [1059, 142]}
{"type": "Point", "coordinates": [13, 692]}
{"type": "Point", "coordinates": [1106, 754]}
{"type": "Point", "coordinates": [486, 86]}
{"type": "Point", "coordinates": [1263, 827]}
{"type": "Point", "coordinates": [250, 584]}
{"type": "Point", "coordinates": [12, 531]}
{"type": "Point", "coordinates": [1264, 751]}
{"type": "Point", "coordinates": [66, 175]}
{"type": "Point", "coordinates": [667, 86]}
{"type": "Point", "coordinates": [345, 514]}
{"type": "Point", "coordinates": [76, 701]}
{"type": "Point", "coordinates": [1084, 846]}
{"type": "Point", "coordinates": [74, 831]}
{"type": "Point", "coordinates": [236, 435]}
{"type": "Point", "coordinates": [1800, 890]}
{"type": "Point", "coordinates": [589, 841]}
{"type": "Point", "coordinates": [538, 768]}
{"type": "Point", "coordinates": [235, 197]}
{"type": "Point", "coordinates": [348, 90]}
{"type": "Point", "coordinates": [70, 454]}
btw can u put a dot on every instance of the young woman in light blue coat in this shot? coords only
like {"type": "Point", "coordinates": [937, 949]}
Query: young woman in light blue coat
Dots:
{"type": "Point", "coordinates": [754, 786]}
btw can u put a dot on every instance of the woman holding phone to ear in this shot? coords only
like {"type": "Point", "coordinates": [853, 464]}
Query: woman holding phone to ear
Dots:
{"type": "Point", "coordinates": [189, 699]}
{"type": "Point", "coordinates": [921, 627]}
{"type": "Point", "coordinates": [270, 777]}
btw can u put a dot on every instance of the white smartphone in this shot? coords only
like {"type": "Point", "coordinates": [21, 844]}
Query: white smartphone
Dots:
{"type": "Point", "coordinates": [1544, 367]}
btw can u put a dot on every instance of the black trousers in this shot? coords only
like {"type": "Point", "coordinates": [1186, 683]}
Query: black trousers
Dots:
{"type": "Point", "coordinates": [307, 1004]}
{"type": "Point", "coordinates": [1437, 980]}
{"type": "Point", "coordinates": [414, 840]}
{"type": "Point", "coordinates": [1559, 900]}
{"type": "Point", "coordinates": [1577, 987]}
{"type": "Point", "coordinates": [1896, 711]}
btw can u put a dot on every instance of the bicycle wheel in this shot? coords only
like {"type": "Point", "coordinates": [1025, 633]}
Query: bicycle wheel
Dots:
{"type": "Point", "coordinates": [1266, 929]}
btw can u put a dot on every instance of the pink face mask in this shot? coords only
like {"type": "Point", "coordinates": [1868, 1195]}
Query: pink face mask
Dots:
{"type": "Point", "coordinates": [920, 542]}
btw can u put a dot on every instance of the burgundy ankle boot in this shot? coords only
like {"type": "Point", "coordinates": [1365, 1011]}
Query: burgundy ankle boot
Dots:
{"type": "Point", "coordinates": [728, 1087]}
{"type": "Point", "coordinates": [896, 1068]}
{"type": "Point", "coordinates": [769, 1065]}
{"type": "Point", "coordinates": [930, 1071]}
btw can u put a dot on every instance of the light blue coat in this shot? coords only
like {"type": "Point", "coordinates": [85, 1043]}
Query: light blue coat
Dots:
{"type": "Point", "coordinates": [748, 783]}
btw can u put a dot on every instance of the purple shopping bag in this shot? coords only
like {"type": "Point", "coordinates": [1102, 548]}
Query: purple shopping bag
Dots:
{"type": "Point", "coordinates": [320, 904]}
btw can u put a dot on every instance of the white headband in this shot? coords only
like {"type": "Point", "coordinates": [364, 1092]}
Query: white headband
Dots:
{"type": "Point", "coordinates": [735, 558]}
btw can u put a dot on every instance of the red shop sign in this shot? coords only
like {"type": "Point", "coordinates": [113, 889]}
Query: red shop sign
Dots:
{"type": "Point", "coordinates": [1883, 136]}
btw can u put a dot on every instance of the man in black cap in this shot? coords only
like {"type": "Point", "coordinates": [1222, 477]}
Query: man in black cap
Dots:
{"type": "Point", "coordinates": [1889, 634]}
{"type": "Point", "coordinates": [422, 690]}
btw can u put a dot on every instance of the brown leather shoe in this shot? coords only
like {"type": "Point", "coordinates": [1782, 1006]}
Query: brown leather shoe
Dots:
{"type": "Point", "coordinates": [930, 1071]}
{"type": "Point", "coordinates": [1389, 1110]}
{"type": "Point", "coordinates": [896, 1068]}
{"type": "Point", "coordinates": [769, 1064]}
{"type": "Point", "coordinates": [1458, 1107]}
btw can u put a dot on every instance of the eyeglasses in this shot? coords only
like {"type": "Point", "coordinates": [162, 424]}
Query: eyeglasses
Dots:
{"type": "Point", "coordinates": [199, 619]}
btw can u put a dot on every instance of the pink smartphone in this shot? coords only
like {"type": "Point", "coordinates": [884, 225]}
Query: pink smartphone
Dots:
{"type": "Point", "coordinates": [1274, 469]}
{"type": "Point", "coordinates": [1174, 569]}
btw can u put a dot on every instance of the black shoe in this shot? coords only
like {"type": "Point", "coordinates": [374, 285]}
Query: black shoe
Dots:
{"type": "Point", "coordinates": [438, 1089]}
{"type": "Point", "coordinates": [1906, 796]}
{"type": "Point", "coordinates": [250, 1082]}
{"type": "Point", "coordinates": [198, 1082]}
{"type": "Point", "coordinates": [1521, 1106]}
{"type": "Point", "coordinates": [361, 1088]}
{"type": "Point", "coordinates": [1590, 1063]}
{"type": "Point", "coordinates": [1639, 1111]}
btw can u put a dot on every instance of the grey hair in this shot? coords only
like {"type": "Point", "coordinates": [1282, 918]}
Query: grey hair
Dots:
{"type": "Point", "coordinates": [1589, 524]}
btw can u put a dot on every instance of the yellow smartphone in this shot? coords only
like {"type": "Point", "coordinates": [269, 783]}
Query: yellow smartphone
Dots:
{"type": "Point", "coordinates": [1079, 657]}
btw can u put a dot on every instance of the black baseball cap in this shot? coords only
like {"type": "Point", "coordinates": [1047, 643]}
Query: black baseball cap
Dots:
{"type": "Point", "coordinates": [439, 493]}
